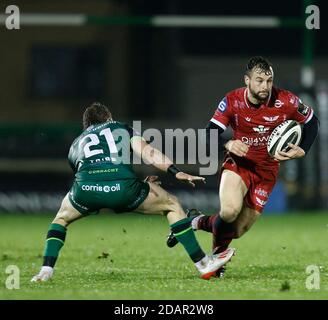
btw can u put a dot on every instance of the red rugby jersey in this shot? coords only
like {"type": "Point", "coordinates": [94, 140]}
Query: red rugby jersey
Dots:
{"type": "Point", "coordinates": [253, 126]}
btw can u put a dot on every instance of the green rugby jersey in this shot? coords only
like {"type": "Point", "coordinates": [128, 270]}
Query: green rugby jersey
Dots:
{"type": "Point", "coordinates": [103, 152]}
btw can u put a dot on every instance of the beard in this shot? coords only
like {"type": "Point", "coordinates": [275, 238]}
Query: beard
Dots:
{"type": "Point", "coordinates": [259, 96]}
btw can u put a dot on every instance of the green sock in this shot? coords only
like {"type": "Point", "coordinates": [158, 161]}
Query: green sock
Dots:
{"type": "Point", "coordinates": [55, 240]}
{"type": "Point", "coordinates": [185, 235]}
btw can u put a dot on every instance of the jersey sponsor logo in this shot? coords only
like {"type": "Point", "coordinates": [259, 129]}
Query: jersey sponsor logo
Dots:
{"type": "Point", "coordinates": [256, 142]}
{"type": "Point", "coordinates": [248, 119]}
{"type": "Point", "coordinates": [261, 129]}
{"type": "Point", "coordinates": [271, 119]}
{"type": "Point", "coordinates": [260, 202]}
{"type": "Point", "coordinates": [302, 108]}
{"type": "Point", "coordinates": [292, 100]}
{"type": "Point", "coordinates": [261, 192]}
{"type": "Point", "coordinates": [99, 171]}
{"type": "Point", "coordinates": [223, 105]}
{"type": "Point", "coordinates": [278, 103]}
{"type": "Point", "coordinates": [106, 189]}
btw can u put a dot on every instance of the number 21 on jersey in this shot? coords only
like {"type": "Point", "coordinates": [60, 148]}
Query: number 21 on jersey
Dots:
{"type": "Point", "coordinates": [94, 141]}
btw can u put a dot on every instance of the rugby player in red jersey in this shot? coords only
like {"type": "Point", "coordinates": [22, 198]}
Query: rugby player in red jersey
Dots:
{"type": "Point", "coordinates": [248, 172]}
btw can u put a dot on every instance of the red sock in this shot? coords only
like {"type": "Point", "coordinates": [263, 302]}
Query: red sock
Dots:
{"type": "Point", "coordinates": [205, 223]}
{"type": "Point", "coordinates": [223, 232]}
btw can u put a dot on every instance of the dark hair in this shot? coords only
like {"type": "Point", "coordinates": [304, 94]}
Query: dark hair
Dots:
{"type": "Point", "coordinates": [96, 113]}
{"type": "Point", "coordinates": [259, 63]}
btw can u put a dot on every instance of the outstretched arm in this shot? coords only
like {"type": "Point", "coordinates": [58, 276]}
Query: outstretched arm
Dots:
{"type": "Point", "coordinates": [160, 161]}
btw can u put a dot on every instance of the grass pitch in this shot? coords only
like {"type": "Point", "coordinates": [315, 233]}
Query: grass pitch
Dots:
{"type": "Point", "coordinates": [125, 257]}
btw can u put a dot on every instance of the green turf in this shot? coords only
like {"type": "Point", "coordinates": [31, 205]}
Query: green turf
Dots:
{"type": "Point", "coordinates": [270, 263]}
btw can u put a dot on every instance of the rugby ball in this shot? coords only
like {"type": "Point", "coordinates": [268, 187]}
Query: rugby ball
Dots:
{"type": "Point", "coordinates": [289, 131]}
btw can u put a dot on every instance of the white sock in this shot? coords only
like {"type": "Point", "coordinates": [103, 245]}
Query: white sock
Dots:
{"type": "Point", "coordinates": [202, 263]}
{"type": "Point", "coordinates": [46, 269]}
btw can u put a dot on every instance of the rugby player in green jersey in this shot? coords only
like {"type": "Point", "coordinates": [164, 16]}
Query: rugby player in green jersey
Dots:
{"type": "Point", "coordinates": [104, 178]}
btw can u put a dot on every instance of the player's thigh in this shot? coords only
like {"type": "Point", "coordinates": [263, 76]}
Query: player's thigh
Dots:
{"type": "Point", "coordinates": [232, 191]}
{"type": "Point", "coordinates": [67, 213]}
{"type": "Point", "coordinates": [245, 220]}
{"type": "Point", "coordinates": [160, 202]}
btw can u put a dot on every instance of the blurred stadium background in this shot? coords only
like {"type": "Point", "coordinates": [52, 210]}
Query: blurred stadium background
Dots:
{"type": "Point", "coordinates": [148, 63]}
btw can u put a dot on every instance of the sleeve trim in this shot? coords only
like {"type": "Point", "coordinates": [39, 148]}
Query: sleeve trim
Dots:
{"type": "Point", "coordinates": [218, 123]}
{"type": "Point", "coordinates": [309, 117]}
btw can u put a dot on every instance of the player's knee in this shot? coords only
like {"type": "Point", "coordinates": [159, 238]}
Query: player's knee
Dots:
{"type": "Point", "coordinates": [63, 218]}
{"type": "Point", "coordinates": [229, 213]}
{"type": "Point", "coordinates": [61, 221]}
{"type": "Point", "coordinates": [173, 202]}
{"type": "Point", "coordinates": [174, 206]}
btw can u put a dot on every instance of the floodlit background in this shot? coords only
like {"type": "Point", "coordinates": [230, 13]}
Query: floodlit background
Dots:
{"type": "Point", "coordinates": [168, 64]}
{"type": "Point", "coordinates": [147, 62]}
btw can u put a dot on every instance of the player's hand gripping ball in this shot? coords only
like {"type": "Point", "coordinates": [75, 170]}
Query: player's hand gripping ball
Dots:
{"type": "Point", "coordinates": [288, 132]}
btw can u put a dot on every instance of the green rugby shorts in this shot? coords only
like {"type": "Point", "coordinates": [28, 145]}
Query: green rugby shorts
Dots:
{"type": "Point", "coordinates": [88, 197]}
